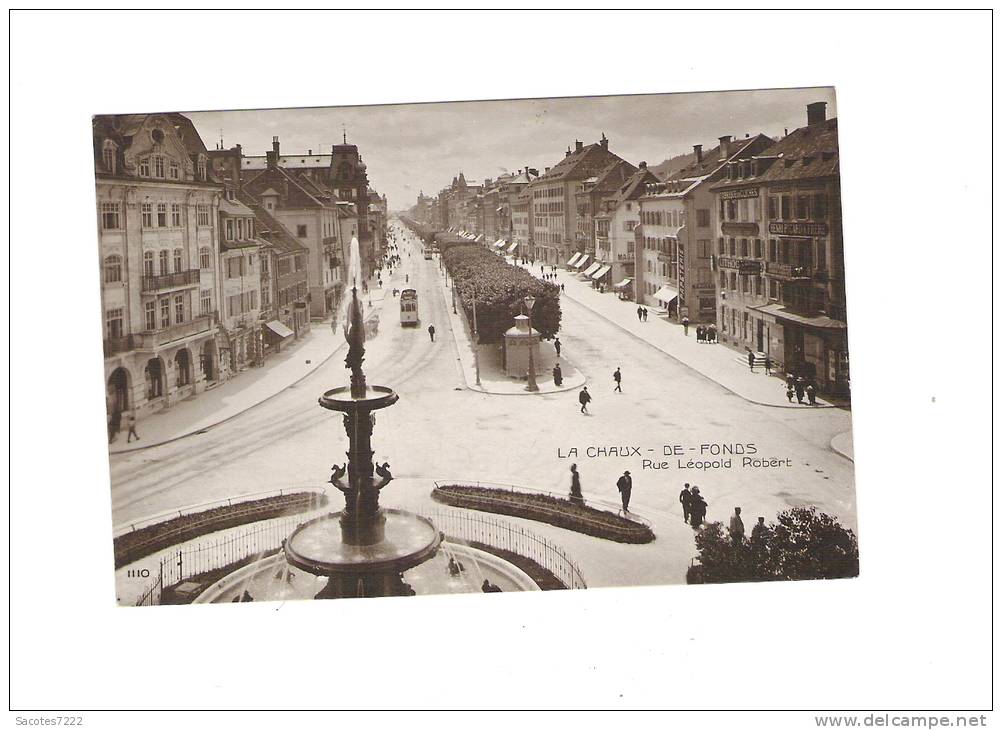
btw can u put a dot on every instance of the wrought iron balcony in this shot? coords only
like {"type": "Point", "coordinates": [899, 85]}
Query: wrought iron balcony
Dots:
{"type": "Point", "coordinates": [177, 280]}
{"type": "Point", "coordinates": [788, 272]}
{"type": "Point", "coordinates": [152, 339]}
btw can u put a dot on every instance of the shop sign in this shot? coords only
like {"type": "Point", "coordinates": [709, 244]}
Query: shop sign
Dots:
{"type": "Point", "coordinates": [739, 193]}
{"type": "Point", "coordinates": [745, 267]}
{"type": "Point", "coordinates": [681, 272]}
{"type": "Point", "coordinates": [731, 228]}
{"type": "Point", "coordinates": [806, 228]}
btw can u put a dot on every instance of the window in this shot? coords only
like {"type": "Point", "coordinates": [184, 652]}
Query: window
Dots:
{"type": "Point", "coordinates": [265, 266]}
{"type": "Point", "coordinates": [784, 207]}
{"type": "Point", "coordinates": [175, 215]}
{"type": "Point", "coordinates": [110, 219]}
{"type": "Point", "coordinates": [205, 302]}
{"type": "Point", "coordinates": [229, 229]}
{"type": "Point", "coordinates": [204, 258]}
{"type": "Point", "coordinates": [703, 249]}
{"type": "Point", "coordinates": [772, 207]}
{"type": "Point", "coordinates": [108, 156]}
{"type": "Point", "coordinates": [150, 310]}
{"type": "Point", "coordinates": [179, 308]}
{"type": "Point", "coordinates": [773, 289]}
{"type": "Point", "coordinates": [202, 215]}
{"type": "Point", "coordinates": [201, 168]}
{"type": "Point", "coordinates": [703, 217]}
{"type": "Point", "coordinates": [820, 206]}
{"type": "Point", "coordinates": [300, 262]}
{"type": "Point", "coordinates": [112, 269]}
{"type": "Point", "coordinates": [164, 313]}
{"type": "Point", "coordinates": [113, 323]}
{"type": "Point", "coordinates": [240, 229]}
{"type": "Point", "coordinates": [147, 214]}
{"type": "Point", "coordinates": [164, 263]}
{"type": "Point", "coordinates": [758, 285]}
{"type": "Point", "coordinates": [162, 215]}
{"type": "Point", "coordinates": [250, 228]}
{"type": "Point", "coordinates": [758, 248]}
{"type": "Point", "coordinates": [744, 247]}
{"type": "Point", "coordinates": [158, 166]}
{"type": "Point", "coordinates": [803, 207]}
{"type": "Point", "coordinates": [144, 167]}
{"type": "Point", "coordinates": [301, 231]}
{"type": "Point", "coordinates": [175, 171]}
{"type": "Point", "coordinates": [178, 260]}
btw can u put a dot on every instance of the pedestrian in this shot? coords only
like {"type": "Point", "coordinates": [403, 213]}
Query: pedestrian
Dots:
{"type": "Point", "coordinates": [431, 332]}
{"type": "Point", "coordinates": [737, 527]}
{"type": "Point", "coordinates": [584, 398]}
{"type": "Point", "coordinates": [645, 314]}
{"type": "Point", "coordinates": [799, 387]}
{"type": "Point", "coordinates": [760, 532]}
{"type": "Point", "coordinates": [685, 326]}
{"type": "Point", "coordinates": [713, 333]}
{"type": "Point", "coordinates": [768, 365]}
{"type": "Point", "coordinates": [558, 376]}
{"type": "Point", "coordinates": [132, 426]}
{"type": "Point", "coordinates": [556, 345]}
{"type": "Point", "coordinates": [618, 377]}
{"type": "Point", "coordinates": [789, 393]}
{"type": "Point", "coordinates": [562, 287]}
{"type": "Point", "coordinates": [751, 361]}
{"type": "Point", "coordinates": [640, 314]}
{"type": "Point", "coordinates": [114, 424]}
{"type": "Point", "coordinates": [576, 496]}
{"type": "Point", "coordinates": [700, 333]}
{"type": "Point", "coordinates": [625, 487]}
{"type": "Point", "coordinates": [685, 498]}
{"type": "Point", "coordinates": [697, 509]}
{"type": "Point", "coordinates": [811, 394]}
{"type": "Point", "coordinates": [790, 380]}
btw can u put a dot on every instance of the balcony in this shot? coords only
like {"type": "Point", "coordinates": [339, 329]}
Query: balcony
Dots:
{"type": "Point", "coordinates": [114, 345]}
{"type": "Point", "coordinates": [151, 340]}
{"type": "Point", "coordinates": [177, 280]}
{"type": "Point", "coordinates": [788, 272]}
{"type": "Point", "coordinates": [625, 257]}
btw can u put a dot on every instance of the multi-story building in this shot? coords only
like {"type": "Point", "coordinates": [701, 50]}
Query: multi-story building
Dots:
{"type": "Point", "coordinates": [554, 199]}
{"type": "Point", "coordinates": [304, 205]}
{"type": "Point", "coordinates": [157, 208]}
{"type": "Point", "coordinates": [780, 280]}
{"type": "Point", "coordinates": [618, 217]}
{"type": "Point", "coordinates": [239, 286]}
{"type": "Point", "coordinates": [594, 191]}
{"type": "Point", "coordinates": [521, 222]}
{"type": "Point", "coordinates": [675, 237]}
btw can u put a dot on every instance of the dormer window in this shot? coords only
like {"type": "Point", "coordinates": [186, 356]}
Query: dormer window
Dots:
{"type": "Point", "coordinates": [201, 168]}
{"type": "Point", "coordinates": [108, 156]}
{"type": "Point", "coordinates": [175, 170]}
{"type": "Point", "coordinates": [144, 167]}
{"type": "Point", "coordinates": [158, 166]}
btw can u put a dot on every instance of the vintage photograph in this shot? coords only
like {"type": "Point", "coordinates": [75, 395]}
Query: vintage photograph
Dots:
{"type": "Point", "coordinates": [475, 347]}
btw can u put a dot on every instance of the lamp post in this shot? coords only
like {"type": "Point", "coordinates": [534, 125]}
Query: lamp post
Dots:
{"type": "Point", "coordinates": [476, 335]}
{"type": "Point", "coordinates": [531, 384]}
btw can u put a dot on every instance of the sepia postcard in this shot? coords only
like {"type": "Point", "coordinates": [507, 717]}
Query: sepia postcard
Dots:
{"type": "Point", "coordinates": [475, 347]}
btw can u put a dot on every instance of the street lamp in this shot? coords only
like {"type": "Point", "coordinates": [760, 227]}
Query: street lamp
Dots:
{"type": "Point", "coordinates": [476, 335]}
{"type": "Point", "coordinates": [531, 384]}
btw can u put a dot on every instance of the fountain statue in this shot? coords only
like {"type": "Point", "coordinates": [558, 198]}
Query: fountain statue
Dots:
{"type": "Point", "coordinates": [364, 549]}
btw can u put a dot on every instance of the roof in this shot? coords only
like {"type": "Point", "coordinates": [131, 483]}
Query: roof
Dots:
{"type": "Point", "coordinates": [807, 152]}
{"type": "Point", "coordinates": [293, 162]}
{"type": "Point", "coordinates": [270, 229]}
{"type": "Point", "coordinates": [714, 159]}
{"type": "Point", "coordinates": [581, 164]}
{"type": "Point", "coordinates": [613, 177]}
{"type": "Point", "coordinates": [296, 192]}
{"type": "Point", "coordinates": [188, 134]}
{"type": "Point", "coordinates": [634, 186]}
{"type": "Point", "coordinates": [233, 207]}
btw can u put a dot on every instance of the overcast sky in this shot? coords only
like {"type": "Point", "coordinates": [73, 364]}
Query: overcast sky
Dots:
{"type": "Point", "coordinates": [413, 147]}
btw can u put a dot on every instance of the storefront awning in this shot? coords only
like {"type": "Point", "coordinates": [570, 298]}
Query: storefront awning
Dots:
{"type": "Point", "coordinates": [279, 329]}
{"type": "Point", "coordinates": [499, 244]}
{"type": "Point", "coordinates": [581, 261]}
{"type": "Point", "coordinates": [512, 247]}
{"type": "Point", "coordinates": [479, 238]}
{"type": "Point", "coordinates": [592, 269]}
{"type": "Point", "coordinates": [602, 271]}
{"type": "Point", "coordinates": [821, 321]}
{"type": "Point", "coordinates": [625, 282]}
{"type": "Point", "coordinates": [665, 294]}
{"type": "Point", "coordinates": [574, 259]}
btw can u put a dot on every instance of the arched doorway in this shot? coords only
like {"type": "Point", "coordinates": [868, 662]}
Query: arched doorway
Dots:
{"type": "Point", "coordinates": [118, 391]}
{"type": "Point", "coordinates": [182, 364]}
{"type": "Point", "coordinates": [154, 378]}
{"type": "Point", "coordinates": [208, 360]}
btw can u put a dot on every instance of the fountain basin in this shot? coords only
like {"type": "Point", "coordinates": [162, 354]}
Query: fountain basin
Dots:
{"type": "Point", "coordinates": [341, 399]}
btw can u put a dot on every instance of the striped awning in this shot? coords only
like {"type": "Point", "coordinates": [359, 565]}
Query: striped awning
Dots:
{"type": "Point", "coordinates": [512, 247]}
{"type": "Point", "coordinates": [665, 294]}
{"type": "Point", "coordinates": [581, 261]}
{"type": "Point", "coordinates": [602, 271]}
{"type": "Point", "coordinates": [625, 282]}
{"type": "Point", "coordinates": [592, 269]}
{"type": "Point", "coordinates": [574, 259]}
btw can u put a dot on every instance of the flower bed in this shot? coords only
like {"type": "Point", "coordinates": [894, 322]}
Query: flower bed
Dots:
{"type": "Point", "coordinates": [500, 289]}
{"type": "Point", "coordinates": [545, 508]}
{"type": "Point", "coordinates": [137, 544]}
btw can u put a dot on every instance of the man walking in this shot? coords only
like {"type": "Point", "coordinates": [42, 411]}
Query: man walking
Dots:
{"type": "Point", "coordinates": [558, 375]}
{"type": "Point", "coordinates": [685, 497]}
{"type": "Point", "coordinates": [431, 332]}
{"type": "Point", "coordinates": [811, 394]}
{"type": "Point", "coordinates": [751, 361]}
{"type": "Point", "coordinates": [625, 487]}
{"type": "Point", "coordinates": [618, 377]}
{"type": "Point", "coordinates": [697, 509]}
{"type": "Point", "coordinates": [798, 386]}
{"type": "Point", "coordinates": [584, 398]}
{"type": "Point", "coordinates": [556, 345]}
{"type": "Point", "coordinates": [640, 314]}
{"type": "Point", "coordinates": [645, 314]}
{"type": "Point", "coordinates": [737, 527]}
{"type": "Point", "coordinates": [685, 326]}
{"type": "Point", "coordinates": [760, 532]}
{"type": "Point", "coordinates": [576, 496]}
{"type": "Point", "coordinates": [132, 427]}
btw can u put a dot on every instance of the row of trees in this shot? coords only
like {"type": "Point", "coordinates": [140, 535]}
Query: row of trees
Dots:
{"type": "Point", "coordinates": [802, 544]}
{"type": "Point", "coordinates": [499, 290]}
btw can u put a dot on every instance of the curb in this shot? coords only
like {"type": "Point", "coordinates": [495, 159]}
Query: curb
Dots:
{"type": "Point", "coordinates": [692, 367]}
{"type": "Point", "coordinates": [839, 451]}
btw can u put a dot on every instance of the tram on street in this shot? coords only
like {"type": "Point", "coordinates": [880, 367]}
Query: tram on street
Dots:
{"type": "Point", "coordinates": [408, 308]}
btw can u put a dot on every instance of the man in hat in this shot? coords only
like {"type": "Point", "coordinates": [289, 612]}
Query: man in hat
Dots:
{"type": "Point", "coordinates": [584, 398]}
{"type": "Point", "coordinates": [697, 509]}
{"type": "Point", "coordinates": [737, 527]}
{"type": "Point", "coordinates": [625, 487]}
{"type": "Point", "coordinates": [618, 377]}
{"type": "Point", "coordinates": [685, 497]}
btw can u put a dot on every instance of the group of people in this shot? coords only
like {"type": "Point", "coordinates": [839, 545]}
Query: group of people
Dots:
{"type": "Point", "coordinates": [797, 385]}
{"type": "Point", "coordinates": [642, 314]}
{"type": "Point", "coordinates": [624, 485]}
{"type": "Point", "coordinates": [706, 333]}
{"type": "Point", "coordinates": [693, 506]}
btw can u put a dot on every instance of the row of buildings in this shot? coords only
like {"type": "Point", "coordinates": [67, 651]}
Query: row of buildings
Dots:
{"type": "Point", "coordinates": [746, 235]}
{"type": "Point", "coordinates": [212, 259]}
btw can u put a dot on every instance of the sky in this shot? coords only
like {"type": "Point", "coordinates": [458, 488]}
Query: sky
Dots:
{"type": "Point", "coordinates": [408, 148]}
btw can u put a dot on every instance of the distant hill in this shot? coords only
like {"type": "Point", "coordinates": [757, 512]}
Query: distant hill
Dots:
{"type": "Point", "coordinates": [673, 164]}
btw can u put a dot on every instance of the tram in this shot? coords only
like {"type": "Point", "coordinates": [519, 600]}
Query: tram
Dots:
{"type": "Point", "coordinates": [408, 308]}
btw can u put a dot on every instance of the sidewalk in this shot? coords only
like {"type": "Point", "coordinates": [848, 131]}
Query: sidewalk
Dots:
{"type": "Point", "coordinates": [718, 362]}
{"type": "Point", "coordinates": [244, 390]}
{"type": "Point", "coordinates": [493, 379]}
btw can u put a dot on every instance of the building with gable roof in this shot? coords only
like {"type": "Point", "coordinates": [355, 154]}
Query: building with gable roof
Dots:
{"type": "Point", "coordinates": [157, 208]}
{"type": "Point", "coordinates": [781, 275]}
{"type": "Point", "coordinates": [618, 217]}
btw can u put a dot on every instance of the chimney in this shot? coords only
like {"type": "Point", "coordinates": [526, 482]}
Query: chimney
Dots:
{"type": "Point", "coordinates": [643, 165]}
{"type": "Point", "coordinates": [272, 159]}
{"type": "Point", "coordinates": [816, 113]}
{"type": "Point", "coordinates": [725, 146]}
{"type": "Point", "coordinates": [698, 149]}
{"type": "Point", "coordinates": [310, 153]}
{"type": "Point", "coordinates": [568, 152]}
{"type": "Point", "coordinates": [578, 145]}
{"type": "Point", "coordinates": [546, 170]}
{"type": "Point", "coordinates": [603, 143]}
{"type": "Point", "coordinates": [274, 144]}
